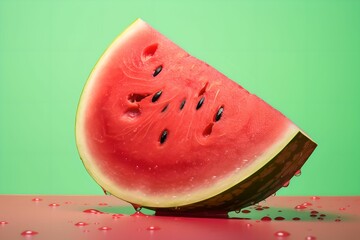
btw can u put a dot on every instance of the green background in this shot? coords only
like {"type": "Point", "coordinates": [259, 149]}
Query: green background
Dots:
{"type": "Point", "coordinates": [303, 57]}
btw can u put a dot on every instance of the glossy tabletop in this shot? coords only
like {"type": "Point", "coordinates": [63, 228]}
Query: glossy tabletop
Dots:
{"type": "Point", "coordinates": [106, 217]}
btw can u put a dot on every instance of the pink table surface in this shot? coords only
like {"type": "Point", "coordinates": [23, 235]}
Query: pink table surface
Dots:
{"type": "Point", "coordinates": [58, 216]}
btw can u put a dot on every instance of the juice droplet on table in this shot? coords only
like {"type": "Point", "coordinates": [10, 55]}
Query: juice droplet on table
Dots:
{"type": "Point", "coordinates": [286, 184]}
{"type": "Point", "coordinates": [29, 233]}
{"type": "Point", "coordinates": [282, 234]}
{"type": "Point", "coordinates": [298, 173]}
{"type": "Point", "coordinates": [153, 228]}
{"type": "Point", "coordinates": [105, 228]}
{"type": "Point", "coordinates": [307, 204]}
{"type": "Point", "coordinates": [54, 205]}
{"type": "Point", "coordinates": [266, 218]}
{"type": "Point", "coordinates": [105, 191]}
{"type": "Point", "coordinates": [81, 224]}
{"type": "Point", "coordinates": [136, 207]}
{"type": "Point", "coordinates": [138, 214]}
{"type": "Point", "coordinates": [92, 211]}
{"type": "Point", "coordinates": [117, 215]}
{"type": "Point", "coordinates": [300, 207]}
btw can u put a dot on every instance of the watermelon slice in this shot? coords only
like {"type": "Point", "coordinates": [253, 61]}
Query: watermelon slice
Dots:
{"type": "Point", "coordinates": [162, 129]}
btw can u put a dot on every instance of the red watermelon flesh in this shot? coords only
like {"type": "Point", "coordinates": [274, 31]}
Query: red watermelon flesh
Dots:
{"type": "Point", "coordinates": [160, 128]}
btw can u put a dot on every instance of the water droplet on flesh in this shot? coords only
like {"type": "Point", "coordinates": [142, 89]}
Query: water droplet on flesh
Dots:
{"type": "Point", "coordinates": [282, 234]}
{"type": "Point", "coordinates": [29, 233]}
{"type": "Point", "coordinates": [103, 204]}
{"type": "Point", "coordinates": [3, 222]}
{"type": "Point", "coordinates": [81, 224]}
{"type": "Point", "coordinates": [310, 238]}
{"type": "Point", "coordinates": [342, 209]}
{"type": "Point", "coordinates": [36, 199]}
{"type": "Point", "coordinates": [315, 198]}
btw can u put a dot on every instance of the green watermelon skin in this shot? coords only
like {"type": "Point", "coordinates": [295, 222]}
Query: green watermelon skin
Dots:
{"type": "Point", "coordinates": [259, 186]}
{"type": "Point", "coordinates": [162, 129]}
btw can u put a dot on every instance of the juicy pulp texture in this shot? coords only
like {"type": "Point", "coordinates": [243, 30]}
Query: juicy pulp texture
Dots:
{"type": "Point", "coordinates": [150, 131]}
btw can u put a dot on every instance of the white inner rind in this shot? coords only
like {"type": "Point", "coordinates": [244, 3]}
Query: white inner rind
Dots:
{"type": "Point", "coordinates": [141, 198]}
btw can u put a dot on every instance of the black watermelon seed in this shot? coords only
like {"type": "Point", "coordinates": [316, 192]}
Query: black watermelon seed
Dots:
{"type": "Point", "coordinates": [164, 109]}
{"type": "Point", "coordinates": [200, 103]}
{"type": "Point", "coordinates": [157, 71]}
{"type": "Point", "coordinates": [163, 136]}
{"type": "Point", "coordinates": [156, 96]}
{"type": "Point", "coordinates": [182, 104]}
{"type": "Point", "coordinates": [219, 114]}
